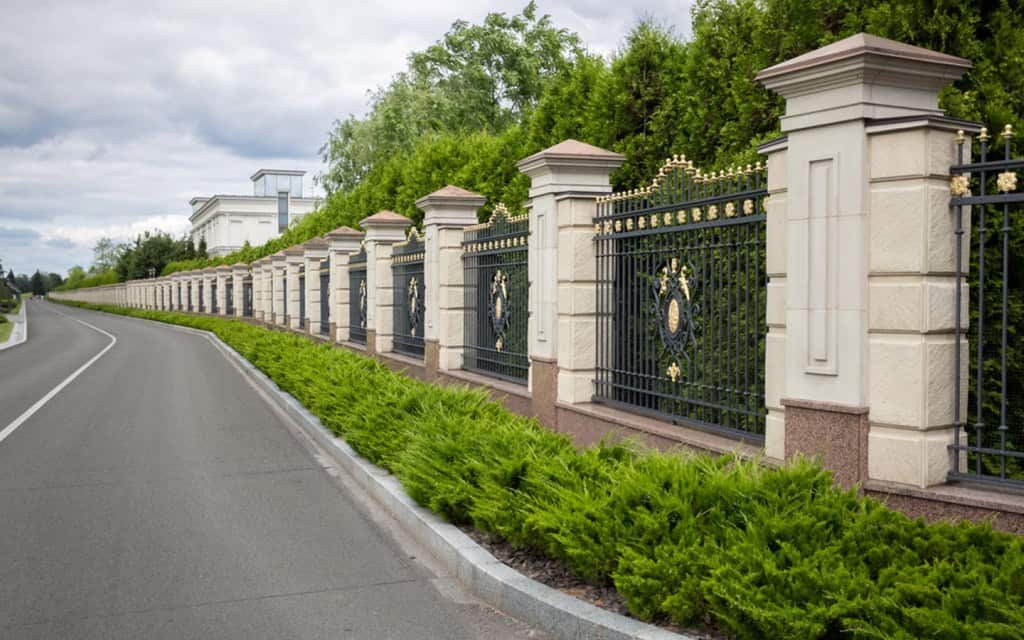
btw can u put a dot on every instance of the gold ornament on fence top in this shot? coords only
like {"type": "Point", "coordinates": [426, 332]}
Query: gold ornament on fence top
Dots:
{"type": "Point", "coordinates": [1007, 181]}
{"type": "Point", "coordinates": [673, 372]}
{"type": "Point", "coordinates": [960, 185]}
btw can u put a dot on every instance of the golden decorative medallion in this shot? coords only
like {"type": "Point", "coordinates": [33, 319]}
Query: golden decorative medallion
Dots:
{"type": "Point", "coordinates": [748, 207]}
{"type": "Point", "coordinates": [629, 224]}
{"type": "Point", "coordinates": [673, 372]}
{"type": "Point", "coordinates": [960, 185]}
{"type": "Point", "coordinates": [713, 212]}
{"type": "Point", "coordinates": [668, 217]}
{"type": "Point", "coordinates": [498, 308]}
{"type": "Point", "coordinates": [696, 214]}
{"type": "Point", "coordinates": [672, 316]}
{"type": "Point", "coordinates": [730, 210]}
{"type": "Point", "coordinates": [1007, 181]}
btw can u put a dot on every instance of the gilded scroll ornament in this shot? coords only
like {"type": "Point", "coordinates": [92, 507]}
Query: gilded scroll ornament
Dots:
{"type": "Point", "coordinates": [673, 372]}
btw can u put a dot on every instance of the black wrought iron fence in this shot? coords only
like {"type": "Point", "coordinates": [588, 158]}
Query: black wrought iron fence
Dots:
{"type": "Point", "coordinates": [681, 298]}
{"type": "Point", "coordinates": [247, 296]}
{"type": "Point", "coordinates": [188, 292]}
{"type": "Point", "coordinates": [407, 276]}
{"type": "Point", "coordinates": [229, 297]}
{"type": "Point", "coordinates": [213, 297]}
{"type": "Point", "coordinates": [325, 293]}
{"type": "Point", "coordinates": [357, 294]}
{"type": "Point", "coordinates": [302, 299]}
{"type": "Point", "coordinates": [989, 445]}
{"type": "Point", "coordinates": [202, 299]}
{"type": "Point", "coordinates": [284, 296]}
{"type": "Point", "coordinates": [497, 291]}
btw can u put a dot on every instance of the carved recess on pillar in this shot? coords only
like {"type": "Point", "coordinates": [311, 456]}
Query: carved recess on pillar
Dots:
{"type": "Point", "coordinates": [822, 267]}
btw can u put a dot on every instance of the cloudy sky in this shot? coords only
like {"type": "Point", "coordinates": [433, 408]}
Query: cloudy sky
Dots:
{"type": "Point", "coordinates": [113, 114]}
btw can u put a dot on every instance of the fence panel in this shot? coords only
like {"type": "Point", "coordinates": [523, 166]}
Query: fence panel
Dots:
{"type": "Point", "coordinates": [302, 299]}
{"type": "Point", "coordinates": [325, 293]}
{"type": "Point", "coordinates": [357, 296]}
{"type": "Point", "coordinates": [213, 297]}
{"type": "Point", "coordinates": [247, 296]}
{"type": "Point", "coordinates": [681, 299]}
{"type": "Point", "coordinates": [229, 297]}
{"type": "Point", "coordinates": [497, 291]}
{"type": "Point", "coordinates": [407, 274]}
{"type": "Point", "coordinates": [989, 446]}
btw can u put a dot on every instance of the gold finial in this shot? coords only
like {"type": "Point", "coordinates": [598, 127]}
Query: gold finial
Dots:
{"type": "Point", "coordinates": [960, 137]}
{"type": "Point", "coordinates": [750, 168]}
{"type": "Point", "coordinates": [1008, 131]}
{"type": "Point", "coordinates": [983, 136]}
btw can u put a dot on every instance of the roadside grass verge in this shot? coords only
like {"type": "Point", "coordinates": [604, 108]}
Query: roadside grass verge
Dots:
{"type": "Point", "coordinates": [700, 541]}
{"type": "Point", "coordinates": [6, 327]}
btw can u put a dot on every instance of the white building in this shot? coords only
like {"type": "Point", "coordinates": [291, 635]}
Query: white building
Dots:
{"type": "Point", "coordinates": [227, 222]}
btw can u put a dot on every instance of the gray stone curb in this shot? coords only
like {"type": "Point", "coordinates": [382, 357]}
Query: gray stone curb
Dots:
{"type": "Point", "coordinates": [20, 332]}
{"type": "Point", "coordinates": [480, 572]}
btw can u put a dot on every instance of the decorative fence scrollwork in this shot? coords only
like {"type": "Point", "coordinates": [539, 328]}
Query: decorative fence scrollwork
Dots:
{"type": "Point", "coordinates": [497, 287]}
{"type": "Point", "coordinates": [681, 298]}
{"type": "Point", "coordinates": [989, 445]}
{"type": "Point", "coordinates": [357, 294]}
{"type": "Point", "coordinates": [407, 272]}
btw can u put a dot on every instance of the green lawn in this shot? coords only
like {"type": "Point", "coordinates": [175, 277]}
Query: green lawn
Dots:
{"type": "Point", "coordinates": [5, 331]}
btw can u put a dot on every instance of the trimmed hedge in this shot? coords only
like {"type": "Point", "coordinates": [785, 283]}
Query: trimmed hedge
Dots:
{"type": "Point", "coordinates": [692, 539]}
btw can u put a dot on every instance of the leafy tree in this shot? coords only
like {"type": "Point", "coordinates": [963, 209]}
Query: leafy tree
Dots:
{"type": "Point", "coordinates": [38, 284]}
{"type": "Point", "coordinates": [201, 251]}
{"type": "Point", "coordinates": [104, 255]}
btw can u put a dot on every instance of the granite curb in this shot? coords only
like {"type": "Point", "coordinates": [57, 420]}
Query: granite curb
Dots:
{"type": "Point", "coordinates": [20, 333]}
{"type": "Point", "coordinates": [488, 578]}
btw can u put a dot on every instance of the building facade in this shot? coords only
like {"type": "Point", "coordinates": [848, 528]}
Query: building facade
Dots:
{"type": "Point", "coordinates": [227, 222]}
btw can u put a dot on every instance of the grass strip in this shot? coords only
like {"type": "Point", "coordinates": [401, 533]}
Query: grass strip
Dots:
{"type": "Point", "coordinates": [700, 541]}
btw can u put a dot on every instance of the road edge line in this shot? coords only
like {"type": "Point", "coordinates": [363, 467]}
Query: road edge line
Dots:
{"type": "Point", "coordinates": [28, 413]}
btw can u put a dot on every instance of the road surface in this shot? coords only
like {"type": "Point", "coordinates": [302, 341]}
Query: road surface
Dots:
{"type": "Point", "coordinates": [158, 495]}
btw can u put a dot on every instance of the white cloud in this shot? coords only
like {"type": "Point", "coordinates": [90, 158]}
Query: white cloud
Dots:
{"type": "Point", "coordinates": [113, 114]}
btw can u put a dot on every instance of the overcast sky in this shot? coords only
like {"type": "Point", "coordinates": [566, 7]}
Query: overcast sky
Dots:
{"type": "Point", "coordinates": [113, 115]}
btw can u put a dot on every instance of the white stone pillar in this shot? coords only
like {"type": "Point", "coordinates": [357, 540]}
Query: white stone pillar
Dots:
{"type": "Point", "coordinates": [343, 242]}
{"type": "Point", "coordinates": [383, 229]}
{"type": "Point", "coordinates": [277, 273]}
{"type": "Point", "coordinates": [447, 213]}
{"type": "Point", "coordinates": [293, 264]}
{"type": "Point", "coordinates": [315, 253]}
{"type": "Point", "coordinates": [866, 227]}
{"type": "Point", "coordinates": [222, 275]}
{"type": "Point", "coordinates": [239, 271]}
{"type": "Point", "coordinates": [566, 181]}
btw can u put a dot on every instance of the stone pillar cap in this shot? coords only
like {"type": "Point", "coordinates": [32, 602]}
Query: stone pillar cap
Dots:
{"type": "Point", "coordinates": [868, 46]}
{"type": "Point", "coordinates": [385, 218]}
{"type": "Point", "coordinates": [343, 232]}
{"type": "Point", "coordinates": [223, 267]}
{"type": "Point", "coordinates": [294, 250]}
{"type": "Point", "coordinates": [452, 196]}
{"type": "Point", "coordinates": [315, 244]}
{"type": "Point", "coordinates": [240, 265]}
{"type": "Point", "coordinates": [572, 152]}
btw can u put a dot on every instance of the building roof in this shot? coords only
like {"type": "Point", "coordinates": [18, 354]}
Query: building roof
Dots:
{"type": "Point", "coordinates": [276, 172]}
{"type": "Point", "coordinates": [212, 200]}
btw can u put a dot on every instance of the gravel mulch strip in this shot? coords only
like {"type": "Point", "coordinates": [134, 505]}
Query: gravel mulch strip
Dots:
{"type": "Point", "coordinates": [556, 575]}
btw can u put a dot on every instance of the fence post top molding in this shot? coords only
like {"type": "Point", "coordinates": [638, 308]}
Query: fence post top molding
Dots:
{"type": "Point", "coordinates": [343, 232]}
{"type": "Point", "coordinates": [450, 206]}
{"type": "Point", "coordinates": [570, 166]}
{"type": "Point", "coordinates": [344, 239]}
{"type": "Point", "coordinates": [222, 268]}
{"type": "Point", "coordinates": [386, 226]}
{"type": "Point", "coordinates": [899, 80]}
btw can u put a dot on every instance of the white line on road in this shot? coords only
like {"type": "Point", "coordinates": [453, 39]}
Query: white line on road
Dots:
{"type": "Point", "coordinates": [9, 429]}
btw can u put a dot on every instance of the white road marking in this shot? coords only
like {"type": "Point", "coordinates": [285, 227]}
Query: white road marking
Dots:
{"type": "Point", "coordinates": [9, 429]}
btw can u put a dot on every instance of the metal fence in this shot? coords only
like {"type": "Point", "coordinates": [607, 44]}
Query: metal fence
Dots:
{"type": "Point", "coordinates": [188, 295]}
{"type": "Point", "coordinates": [229, 297]}
{"type": "Point", "coordinates": [357, 296]}
{"type": "Point", "coordinates": [213, 297]}
{"type": "Point", "coordinates": [407, 275]}
{"type": "Point", "coordinates": [202, 300]}
{"type": "Point", "coordinates": [325, 293]}
{"type": "Point", "coordinates": [681, 299]}
{"type": "Point", "coordinates": [284, 296]}
{"type": "Point", "coordinates": [989, 445]}
{"type": "Point", "coordinates": [302, 298]}
{"type": "Point", "coordinates": [247, 296]}
{"type": "Point", "coordinates": [497, 291]}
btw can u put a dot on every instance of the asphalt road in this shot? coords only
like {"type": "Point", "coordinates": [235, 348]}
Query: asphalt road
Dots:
{"type": "Point", "coordinates": [158, 495]}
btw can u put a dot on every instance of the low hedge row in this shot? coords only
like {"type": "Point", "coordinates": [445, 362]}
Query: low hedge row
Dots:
{"type": "Point", "coordinates": [699, 541]}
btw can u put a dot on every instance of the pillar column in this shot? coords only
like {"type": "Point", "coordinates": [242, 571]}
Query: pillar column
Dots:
{"type": "Point", "coordinates": [565, 182]}
{"type": "Point", "coordinates": [859, 234]}
{"type": "Point", "coordinates": [383, 229]}
{"type": "Point", "coordinates": [222, 275]}
{"type": "Point", "coordinates": [293, 265]}
{"type": "Point", "coordinates": [315, 253]}
{"type": "Point", "coordinates": [343, 242]}
{"type": "Point", "coordinates": [239, 271]}
{"type": "Point", "coordinates": [447, 213]}
{"type": "Point", "coordinates": [276, 276]}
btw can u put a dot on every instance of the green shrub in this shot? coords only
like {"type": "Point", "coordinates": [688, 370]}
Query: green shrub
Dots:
{"type": "Point", "coordinates": [759, 552]}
